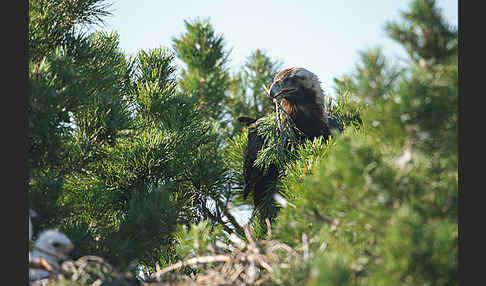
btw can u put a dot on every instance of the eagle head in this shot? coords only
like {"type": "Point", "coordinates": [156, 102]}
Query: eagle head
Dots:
{"type": "Point", "coordinates": [299, 87]}
{"type": "Point", "coordinates": [55, 243]}
{"type": "Point", "coordinates": [52, 246]}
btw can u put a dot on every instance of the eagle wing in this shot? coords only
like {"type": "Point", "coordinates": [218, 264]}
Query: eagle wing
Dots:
{"type": "Point", "coordinates": [334, 124]}
{"type": "Point", "coordinates": [255, 179]}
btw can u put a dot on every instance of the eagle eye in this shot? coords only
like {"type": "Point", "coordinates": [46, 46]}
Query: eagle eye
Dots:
{"type": "Point", "coordinates": [295, 79]}
{"type": "Point", "coordinates": [56, 244]}
{"type": "Point", "coordinates": [292, 80]}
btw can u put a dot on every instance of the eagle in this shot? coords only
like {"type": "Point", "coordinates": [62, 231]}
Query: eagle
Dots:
{"type": "Point", "coordinates": [54, 247]}
{"type": "Point", "coordinates": [302, 100]}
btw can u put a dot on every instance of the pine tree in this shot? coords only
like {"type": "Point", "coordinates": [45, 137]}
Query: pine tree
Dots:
{"type": "Point", "coordinates": [374, 77]}
{"type": "Point", "coordinates": [427, 37]}
{"type": "Point", "coordinates": [118, 156]}
{"type": "Point", "coordinates": [379, 204]}
{"type": "Point", "coordinates": [206, 77]}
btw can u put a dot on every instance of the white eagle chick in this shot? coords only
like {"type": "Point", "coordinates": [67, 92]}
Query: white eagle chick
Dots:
{"type": "Point", "coordinates": [54, 247]}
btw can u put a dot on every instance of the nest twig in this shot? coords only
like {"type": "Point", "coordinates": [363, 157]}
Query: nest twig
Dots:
{"type": "Point", "coordinates": [191, 261]}
{"type": "Point", "coordinates": [278, 107]}
{"type": "Point", "coordinates": [248, 262]}
{"type": "Point", "coordinates": [41, 264]}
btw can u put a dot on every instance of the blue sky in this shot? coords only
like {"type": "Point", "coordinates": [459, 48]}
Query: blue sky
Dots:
{"type": "Point", "coordinates": [322, 36]}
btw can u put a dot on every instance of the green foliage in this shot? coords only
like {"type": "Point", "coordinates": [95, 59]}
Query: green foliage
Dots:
{"type": "Point", "coordinates": [196, 239]}
{"type": "Point", "coordinates": [54, 23]}
{"type": "Point", "coordinates": [414, 248]}
{"type": "Point", "coordinates": [344, 183]}
{"type": "Point", "coordinates": [279, 146]}
{"type": "Point", "coordinates": [423, 32]}
{"type": "Point", "coordinates": [349, 201]}
{"type": "Point", "coordinates": [233, 154]}
{"type": "Point", "coordinates": [383, 196]}
{"type": "Point", "coordinates": [155, 89]}
{"type": "Point", "coordinates": [206, 77]}
{"type": "Point", "coordinates": [346, 109]}
{"type": "Point", "coordinates": [374, 77]}
{"type": "Point", "coordinates": [118, 155]}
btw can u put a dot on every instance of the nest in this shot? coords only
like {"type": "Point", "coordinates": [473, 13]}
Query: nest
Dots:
{"type": "Point", "coordinates": [240, 262]}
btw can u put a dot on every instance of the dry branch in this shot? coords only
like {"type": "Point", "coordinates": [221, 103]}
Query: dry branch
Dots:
{"type": "Point", "coordinates": [192, 261]}
{"type": "Point", "coordinates": [277, 107]}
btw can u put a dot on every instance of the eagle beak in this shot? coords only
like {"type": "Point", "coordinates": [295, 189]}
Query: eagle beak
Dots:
{"type": "Point", "coordinates": [275, 91]}
{"type": "Point", "coordinates": [74, 253]}
{"type": "Point", "coordinates": [71, 252]}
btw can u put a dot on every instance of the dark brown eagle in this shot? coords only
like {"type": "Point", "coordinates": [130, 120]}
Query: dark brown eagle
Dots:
{"type": "Point", "coordinates": [302, 99]}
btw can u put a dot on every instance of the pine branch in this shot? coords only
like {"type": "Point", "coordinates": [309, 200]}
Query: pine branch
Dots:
{"type": "Point", "coordinates": [222, 223]}
{"type": "Point", "coordinates": [231, 218]}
